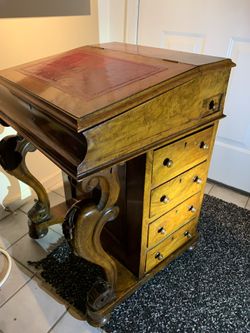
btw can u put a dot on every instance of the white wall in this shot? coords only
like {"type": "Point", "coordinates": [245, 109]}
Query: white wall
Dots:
{"type": "Point", "coordinates": [26, 39]}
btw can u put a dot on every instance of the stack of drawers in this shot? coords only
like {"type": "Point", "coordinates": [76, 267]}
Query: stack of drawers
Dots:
{"type": "Point", "coordinates": [178, 177]}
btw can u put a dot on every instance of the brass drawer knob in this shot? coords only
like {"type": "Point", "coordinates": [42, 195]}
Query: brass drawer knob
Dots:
{"type": "Point", "coordinates": [159, 256]}
{"type": "Point", "coordinates": [187, 234]}
{"type": "Point", "coordinates": [197, 180]}
{"type": "Point", "coordinates": [165, 199]}
{"type": "Point", "coordinates": [162, 231]}
{"type": "Point", "coordinates": [192, 209]}
{"type": "Point", "coordinates": [168, 162]}
{"type": "Point", "coordinates": [204, 145]}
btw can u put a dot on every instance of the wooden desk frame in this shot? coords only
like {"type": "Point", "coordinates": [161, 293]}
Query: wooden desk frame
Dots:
{"type": "Point", "coordinates": [105, 166]}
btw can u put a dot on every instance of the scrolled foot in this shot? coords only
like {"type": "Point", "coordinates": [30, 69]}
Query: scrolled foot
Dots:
{"type": "Point", "coordinates": [99, 295]}
{"type": "Point", "coordinates": [38, 214]}
{"type": "Point", "coordinates": [98, 320]}
{"type": "Point", "coordinates": [36, 231]}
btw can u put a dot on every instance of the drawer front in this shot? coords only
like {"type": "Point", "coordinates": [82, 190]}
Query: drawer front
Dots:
{"type": "Point", "coordinates": [180, 156]}
{"type": "Point", "coordinates": [173, 220]}
{"type": "Point", "coordinates": [175, 191]}
{"type": "Point", "coordinates": [171, 244]}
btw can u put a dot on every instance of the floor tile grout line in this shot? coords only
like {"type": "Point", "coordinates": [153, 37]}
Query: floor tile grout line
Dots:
{"type": "Point", "coordinates": [57, 321]}
{"type": "Point", "coordinates": [14, 294]}
{"type": "Point", "coordinates": [62, 196]}
{"type": "Point", "coordinates": [51, 228]}
{"type": "Point", "coordinates": [23, 211]}
{"type": "Point", "coordinates": [248, 201]}
{"type": "Point", "coordinates": [26, 267]}
{"type": "Point", "coordinates": [211, 188]}
{"type": "Point", "coordinates": [221, 187]}
{"type": "Point", "coordinates": [17, 240]}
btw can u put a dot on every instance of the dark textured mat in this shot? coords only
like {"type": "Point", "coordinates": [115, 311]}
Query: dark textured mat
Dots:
{"type": "Point", "coordinates": [204, 291]}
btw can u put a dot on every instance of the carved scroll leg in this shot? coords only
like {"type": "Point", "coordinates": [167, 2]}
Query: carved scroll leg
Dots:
{"type": "Point", "coordinates": [13, 150]}
{"type": "Point", "coordinates": [83, 226]}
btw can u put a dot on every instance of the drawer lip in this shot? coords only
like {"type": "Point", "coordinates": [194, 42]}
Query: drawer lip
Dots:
{"type": "Point", "coordinates": [182, 158]}
{"type": "Point", "coordinates": [184, 136]}
{"type": "Point", "coordinates": [162, 221]}
{"type": "Point", "coordinates": [166, 188]}
{"type": "Point", "coordinates": [167, 251]}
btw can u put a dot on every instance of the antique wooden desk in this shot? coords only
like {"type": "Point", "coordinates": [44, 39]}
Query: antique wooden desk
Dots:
{"type": "Point", "coordinates": [133, 129]}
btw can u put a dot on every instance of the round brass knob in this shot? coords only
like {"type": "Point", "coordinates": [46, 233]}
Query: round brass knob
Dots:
{"type": "Point", "coordinates": [197, 180]}
{"type": "Point", "coordinates": [204, 145]}
{"type": "Point", "coordinates": [164, 199]}
{"type": "Point", "coordinates": [168, 162]}
{"type": "Point", "coordinates": [162, 231]}
{"type": "Point", "coordinates": [187, 234]}
{"type": "Point", "coordinates": [192, 209]}
{"type": "Point", "coordinates": [159, 256]}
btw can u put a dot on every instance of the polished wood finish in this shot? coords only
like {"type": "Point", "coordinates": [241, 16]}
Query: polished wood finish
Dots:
{"type": "Point", "coordinates": [178, 96]}
{"type": "Point", "coordinates": [168, 223]}
{"type": "Point", "coordinates": [133, 129]}
{"type": "Point", "coordinates": [165, 54]}
{"type": "Point", "coordinates": [13, 151]}
{"type": "Point", "coordinates": [182, 108]}
{"type": "Point", "coordinates": [167, 196]}
{"type": "Point", "coordinates": [170, 244]}
{"type": "Point", "coordinates": [177, 157]}
{"type": "Point", "coordinates": [82, 227]}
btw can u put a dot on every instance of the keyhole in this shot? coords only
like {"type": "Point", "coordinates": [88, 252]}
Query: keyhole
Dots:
{"type": "Point", "coordinates": [211, 105]}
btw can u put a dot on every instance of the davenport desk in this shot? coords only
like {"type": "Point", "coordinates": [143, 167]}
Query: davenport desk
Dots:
{"type": "Point", "coordinates": [132, 128]}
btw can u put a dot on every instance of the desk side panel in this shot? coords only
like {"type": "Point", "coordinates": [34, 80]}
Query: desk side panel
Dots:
{"type": "Point", "coordinates": [191, 104]}
{"type": "Point", "coordinates": [61, 145]}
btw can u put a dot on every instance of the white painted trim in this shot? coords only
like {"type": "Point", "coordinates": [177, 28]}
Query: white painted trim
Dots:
{"type": "Point", "coordinates": [197, 41]}
{"type": "Point", "coordinates": [118, 20]}
{"type": "Point", "coordinates": [104, 20]}
{"type": "Point", "coordinates": [132, 18]}
{"type": "Point", "coordinates": [233, 146]}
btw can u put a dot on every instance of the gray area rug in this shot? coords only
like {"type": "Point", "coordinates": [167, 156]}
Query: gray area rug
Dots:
{"type": "Point", "coordinates": [204, 291]}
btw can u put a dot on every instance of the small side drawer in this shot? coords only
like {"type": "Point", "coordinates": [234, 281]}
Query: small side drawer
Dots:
{"type": "Point", "coordinates": [180, 156]}
{"type": "Point", "coordinates": [173, 220]}
{"type": "Point", "coordinates": [175, 191]}
{"type": "Point", "coordinates": [170, 244]}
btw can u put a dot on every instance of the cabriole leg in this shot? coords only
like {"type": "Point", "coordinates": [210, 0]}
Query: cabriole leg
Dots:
{"type": "Point", "coordinates": [13, 150]}
{"type": "Point", "coordinates": [82, 228]}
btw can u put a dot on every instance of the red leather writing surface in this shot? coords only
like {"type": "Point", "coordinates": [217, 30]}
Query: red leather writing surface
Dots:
{"type": "Point", "coordinates": [89, 75]}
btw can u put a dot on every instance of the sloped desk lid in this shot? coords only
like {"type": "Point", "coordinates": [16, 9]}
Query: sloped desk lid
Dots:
{"type": "Point", "coordinates": [90, 84]}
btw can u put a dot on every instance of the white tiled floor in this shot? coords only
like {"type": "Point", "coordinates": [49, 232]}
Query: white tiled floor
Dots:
{"type": "Point", "coordinates": [24, 305]}
{"type": "Point", "coordinates": [228, 195]}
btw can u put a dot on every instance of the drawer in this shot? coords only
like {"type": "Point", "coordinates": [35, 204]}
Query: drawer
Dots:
{"type": "Point", "coordinates": [173, 220]}
{"type": "Point", "coordinates": [178, 189]}
{"type": "Point", "coordinates": [180, 156]}
{"type": "Point", "coordinates": [170, 244]}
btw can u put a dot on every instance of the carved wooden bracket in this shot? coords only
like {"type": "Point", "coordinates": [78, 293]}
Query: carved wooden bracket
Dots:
{"type": "Point", "coordinates": [13, 150]}
{"type": "Point", "coordinates": [83, 226]}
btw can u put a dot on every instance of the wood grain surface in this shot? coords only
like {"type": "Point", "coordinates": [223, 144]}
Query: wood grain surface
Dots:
{"type": "Point", "coordinates": [177, 190]}
{"type": "Point", "coordinates": [181, 155]}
